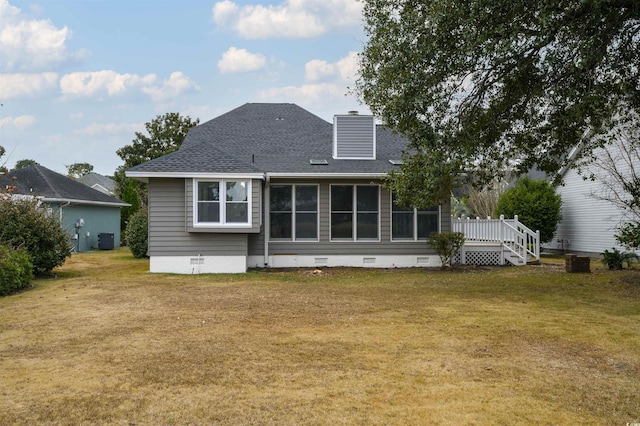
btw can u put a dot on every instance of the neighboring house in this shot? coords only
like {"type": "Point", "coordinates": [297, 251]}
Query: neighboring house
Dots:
{"type": "Point", "coordinates": [272, 185]}
{"type": "Point", "coordinates": [588, 224]}
{"type": "Point", "coordinates": [99, 183]}
{"type": "Point", "coordinates": [71, 201]}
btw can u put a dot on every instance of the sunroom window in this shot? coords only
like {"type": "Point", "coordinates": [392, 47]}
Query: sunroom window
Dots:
{"type": "Point", "coordinates": [410, 224]}
{"type": "Point", "coordinates": [293, 212]}
{"type": "Point", "coordinates": [223, 202]}
{"type": "Point", "coordinates": [355, 212]}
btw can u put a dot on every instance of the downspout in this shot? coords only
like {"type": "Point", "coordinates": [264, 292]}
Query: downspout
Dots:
{"type": "Point", "coordinates": [266, 219]}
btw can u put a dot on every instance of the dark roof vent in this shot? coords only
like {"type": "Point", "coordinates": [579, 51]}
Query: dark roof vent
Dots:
{"type": "Point", "coordinates": [353, 112]}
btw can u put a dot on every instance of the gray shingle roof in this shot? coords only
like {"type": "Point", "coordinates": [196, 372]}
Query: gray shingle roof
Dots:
{"type": "Point", "coordinates": [97, 181]}
{"type": "Point", "coordinates": [273, 138]}
{"type": "Point", "coordinates": [41, 182]}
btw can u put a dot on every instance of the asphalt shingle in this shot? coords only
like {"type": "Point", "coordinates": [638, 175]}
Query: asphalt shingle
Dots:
{"type": "Point", "coordinates": [275, 138]}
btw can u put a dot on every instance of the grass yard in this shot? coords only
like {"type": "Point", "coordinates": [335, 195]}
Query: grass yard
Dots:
{"type": "Point", "coordinates": [108, 343]}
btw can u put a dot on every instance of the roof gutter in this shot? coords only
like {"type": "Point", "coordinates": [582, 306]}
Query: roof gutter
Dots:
{"type": "Point", "coordinates": [195, 175]}
{"type": "Point", "coordinates": [327, 175]}
{"type": "Point", "coordinates": [86, 202]}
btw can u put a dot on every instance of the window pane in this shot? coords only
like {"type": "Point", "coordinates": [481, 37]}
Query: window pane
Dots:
{"type": "Point", "coordinates": [237, 191]}
{"type": "Point", "coordinates": [306, 225]}
{"type": "Point", "coordinates": [208, 191]}
{"type": "Point", "coordinates": [402, 225]}
{"type": "Point", "coordinates": [307, 198]}
{"type": "Point", "coordinates": [367, 198]}
{"type": "Point", "coordinates": [237, 213]}
{"type": "Point", "coordinates": [280, 226]}
{"type": "Point", "coordinates": [209, 212]}
{"type": "Point", "coordinates": [280, 198]}
{"type": "Point", "coordinates": [341, 198]}
{"type": "Point", "coordinates": [427, 223]}
{"type": "Point", "coordinates": [367, 226]}
{"type": "Point", "coordinates": [341, 225]}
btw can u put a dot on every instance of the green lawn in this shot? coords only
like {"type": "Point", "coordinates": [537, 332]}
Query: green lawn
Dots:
{"type": "Point", "coordinates": [108, 343]}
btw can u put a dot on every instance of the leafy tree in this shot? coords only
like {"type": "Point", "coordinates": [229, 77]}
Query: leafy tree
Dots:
{"type": "Point", "coordinates": [24, 225]}
{"type": "Point", "coordinates": [536, 204]}
{"type": "Point", "coordinates": [3, 169]}
{"type": "Point", "coordinates": [21, 164]}
{"type": "Point", "coordinates": [491, 85]}
{"type": "Point", "coordinates": [138, 234]}
{"type": "Point", "coordinates": [77, 170]}
{"type": "Point", "coordinates": [165, 135]}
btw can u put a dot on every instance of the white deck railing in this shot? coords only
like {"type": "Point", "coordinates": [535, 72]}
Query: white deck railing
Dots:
{"type": "Point", "coordinates": [519, 243]}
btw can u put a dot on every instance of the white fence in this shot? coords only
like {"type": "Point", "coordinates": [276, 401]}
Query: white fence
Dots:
{"type": "Point", "coordinates": [519, 243]}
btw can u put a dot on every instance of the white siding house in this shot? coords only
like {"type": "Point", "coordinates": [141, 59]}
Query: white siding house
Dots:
{"type": "Point", "coordinates": [588, 223]}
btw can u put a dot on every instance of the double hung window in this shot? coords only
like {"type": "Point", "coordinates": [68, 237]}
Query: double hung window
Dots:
{"type": "Point", "coordinates": [409, 224]}
{"type": "Point", "coordinates": [222, 202]}
{"type": "Point", "coordinates": [355, 212]}
{"type": "Point", "coordinates": [293, 212]}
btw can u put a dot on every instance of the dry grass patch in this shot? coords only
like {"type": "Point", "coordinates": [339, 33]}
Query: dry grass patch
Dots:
{"type": "Point", "coordinates": [108, 343]}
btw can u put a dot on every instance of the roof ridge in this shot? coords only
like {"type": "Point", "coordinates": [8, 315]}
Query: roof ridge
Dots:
{"type": "Point", "coordinates": [40, 169]}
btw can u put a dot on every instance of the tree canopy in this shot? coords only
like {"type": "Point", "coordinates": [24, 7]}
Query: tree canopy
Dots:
{"type": "Point", "coordinates": [77, 170]}
{"type": "Point", "coordinates": [166, 134]}
{"type": "Point", "coordinates": [483, 86]}
{"type": "Point", "coordinates": [21, 164]}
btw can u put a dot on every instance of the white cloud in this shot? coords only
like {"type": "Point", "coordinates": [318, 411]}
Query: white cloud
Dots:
{"type": "Point", "coordinates": [23, 85]}
{"type": "Point", "coordinates": [100, 82]}
{"type": "Point", "coordinates": [345, 69]}
{"type": "Point", "coordinates": [306, 91]}
{"type": "Point", "coordinates": [177, 84]}
{"type": "Point", "coordinates": [31, 44]}
{"type": "Point", "coordinates": [21, 122]}
{"type": "Point", "coordinates": [110, 128]}
{"type": "Point", "coordinates": [110, 83]}
{"type": "Point", "coordinates": [240, 60]}
{"type": "Point", "coordinates": [290, 19]}
{"type": "Point", "coordinates": [76, 116]}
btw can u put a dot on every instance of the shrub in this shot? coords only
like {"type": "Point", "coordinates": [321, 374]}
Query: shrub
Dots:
{"type": "Point", "coordinates": [536, 204]}
{"type": "Point", "coordinates": [446, 244]}
{"type": "Point", "coordinates": [16, 270]}
{"type": "Point", "coordinates": [615, 259]}
{"type": "Point", "coordinates": [23, 225]}
{"type": "Point", "coordinates": [138, 234]}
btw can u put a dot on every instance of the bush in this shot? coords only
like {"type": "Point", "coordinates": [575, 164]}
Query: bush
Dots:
{"type": "Point", "coordinates": [138, 234]}
{"type": "Point", "coordinates": [23, 225]}
{"type": "Point", "coordinates": [16, 270]}
{"type": "Point", "coordinates": [536, 204]}
{"type": "Point", "coordinates": [615, 259]}
{"type": "Point", "coordinates": [446, 244]}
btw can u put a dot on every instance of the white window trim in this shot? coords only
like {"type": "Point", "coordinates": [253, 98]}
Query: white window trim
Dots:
{"type": "Point", "coordinates": [354, 217]}
{"type": "Point", "coordinates": [293, 214]}
{"type": "Point", "coordinates": [223, 204]}
{"type": "Point", "coordinates": [415, 224]}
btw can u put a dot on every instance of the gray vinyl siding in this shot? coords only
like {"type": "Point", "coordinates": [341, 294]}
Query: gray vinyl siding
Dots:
{"type": "Point", "coordinates": [256, 204]}
{"type": "Point", "coordinates": [354, 137]}
{"type": "Point", "coordinates": [326, 247]}
{"type": "Point", "coordinates": [168, 218]}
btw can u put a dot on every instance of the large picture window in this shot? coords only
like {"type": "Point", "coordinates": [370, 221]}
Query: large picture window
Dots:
{"type": "Point", "coordinates": [355, 212]}
{"type": "Point", "coordinates": [409, 224]}
{"type": "Point", "coordinates": [293, 212]}
{"type": "Point", "coordinates": [223, 202]}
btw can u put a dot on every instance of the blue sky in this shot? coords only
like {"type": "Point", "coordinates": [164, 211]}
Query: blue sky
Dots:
{"type": "Point", "coordinates": [78, 78]}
